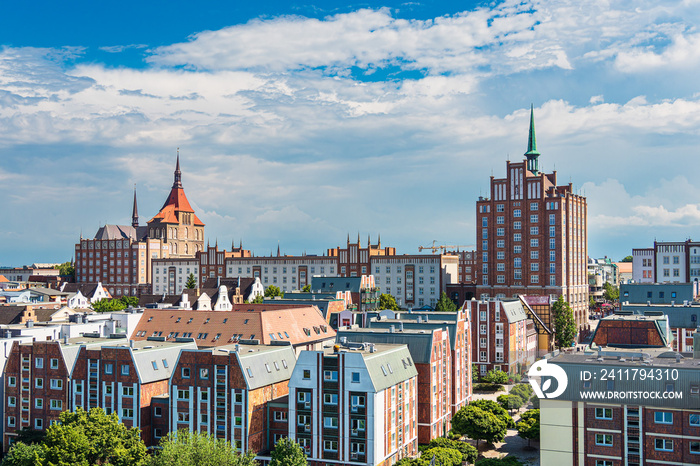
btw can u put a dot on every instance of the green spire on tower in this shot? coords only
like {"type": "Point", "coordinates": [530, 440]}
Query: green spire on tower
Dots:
{"type": "Point", "coordinates": [532, 155]}
{"type": "Point", "coordinates": [532, 140]}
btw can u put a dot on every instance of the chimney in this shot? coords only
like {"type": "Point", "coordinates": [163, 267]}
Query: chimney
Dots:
{"type": "Point", "coordinates": [420, 320]}
{"type": "Point", "coordinates": [131, 343]}
{"type": "Point", "coordinates": [236, 348]}
{"type": "Point", "coordinates": [392, 329]}
{"type": "Point", "coordinates": [400, 326]}
{"type": "Point", "coordinates": [65, 339]}
{"type": "Point", "coordinates": [30, 323]}
{"type": "Point", "coordinates": [371, 348]}
{"type": "Point", "coordinates": [678, 358]}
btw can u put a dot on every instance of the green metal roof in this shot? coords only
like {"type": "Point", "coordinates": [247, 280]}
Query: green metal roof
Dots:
{"type": "Point", "coordinates": [532, 140]}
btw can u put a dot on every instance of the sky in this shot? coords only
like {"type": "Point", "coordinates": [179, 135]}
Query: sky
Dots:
{"type": "Point", "coordinates": [299, 124]}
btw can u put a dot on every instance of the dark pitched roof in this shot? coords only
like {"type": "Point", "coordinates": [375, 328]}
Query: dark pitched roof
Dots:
{"type": "Point", "coordinates": [11, 314]}
{"type": "Point", "coordinates": [121, 232]}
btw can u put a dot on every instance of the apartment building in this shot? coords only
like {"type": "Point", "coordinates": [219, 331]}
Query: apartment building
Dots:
{"type": "Point", "coordinates": [431, 352]}
{"type": "Point", "coordinates": [532, 236]}
{"type": "Point", "coordinates": [122, 377]}
{"type": "Point", "coordinates": [226, 392]}
{"type": "Point", "coordinates": [458, 326]}
{"type": "Point", "coordinates": [579, 430]}
{"type": "Point", "coordinates": [355, 405]}
{"type": "Point", "coordinates": [667, 261]}
{"type": "Point", "coordinates": [503, 336]}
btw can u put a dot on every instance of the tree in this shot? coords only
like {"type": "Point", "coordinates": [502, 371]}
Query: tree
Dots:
{"type": "Point", "coordinates": [306, 288]}
{"type": "Point", "coordinates": [132, 301]}
{"type": "Point", "coordinates": [258, 300]}
{"type": "Point", "coordinates": [272, 291]}
{"type": "Point", "coordinates": [287, 453]}
{"type": "Point", "coordinates": [523, 390]}
{"type": "Point", "coordinates": [626, 259]}
{"type": "Point", "coordinates": [66, 269]}
{"type": "Point", "coordinates": [479, 424]}
{"type": "Point", "coordinates": [387, 301]}
{"type": "Point", "coordinates": [510, 402]}
{"type": "Point", "coordinates": [469, 453]}
{"type": "Point", "coordinates": [475, 373]}
{"type": "Point", "coordinates": [185, 448]}
{"type": "Point", "coordinates": [535, 401]}
{"type": "Point", "coordinates": [191, 283]}
{"type": "Point", "coordinates": [92, 437]}
{"type": "Point", "coordinates": [445, 304]}
{"type": "Point", "coordinates": [494, 376]}
{"type": "Point", "coordinates": [443, 456]}
{"type": "Point", "coordinates": [21, 454]}
{"type": "Point", "coordinates": [507, 461]}
{"type": "Point", "coordinates": [610, 292]}
{"type": "Point", "coordinates": [564, 325]}
{"type": "Point", "coordinates": [529, 425]}
{"type": "Point", "coordinates": [495, 409]}
{"type": "Point", "coordinates": [108, 305]}
{"type": "Point", "coordinates": [30, 436]}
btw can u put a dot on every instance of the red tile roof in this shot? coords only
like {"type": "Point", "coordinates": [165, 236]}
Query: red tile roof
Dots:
{"type": "Point", "coordinates": [176, 202]}
{"type": "Point", "coordinates": [298, 324]}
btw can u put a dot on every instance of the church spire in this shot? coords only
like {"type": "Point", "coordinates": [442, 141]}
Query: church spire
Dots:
{"type": "Point", "coordinates": [178, 174]}
{"type": "Point", "coordinates": [135, 212]}
{"type": "Point", "coordinates": [532, 155]}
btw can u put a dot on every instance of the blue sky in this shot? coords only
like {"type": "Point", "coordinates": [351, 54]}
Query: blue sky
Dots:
{"type": "Point", "coordinates": [299, 123]}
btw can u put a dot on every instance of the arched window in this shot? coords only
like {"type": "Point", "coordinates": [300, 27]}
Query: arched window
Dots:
{"type": "Point", "coordinates": [187, 233]}
{"type": "Point", "coordinates": [186, 249]}
{"type": "Point", "coordinates": [174, 248]}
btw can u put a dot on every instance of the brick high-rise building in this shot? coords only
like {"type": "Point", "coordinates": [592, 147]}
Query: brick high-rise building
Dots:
{"type": "Point", "coordinates": [532, 235]}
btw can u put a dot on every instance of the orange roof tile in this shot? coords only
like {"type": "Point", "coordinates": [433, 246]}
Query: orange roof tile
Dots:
{"type": "Point", "coordinates": [176, 202]}
{"type": "Point", "coordinates": [298, 324]}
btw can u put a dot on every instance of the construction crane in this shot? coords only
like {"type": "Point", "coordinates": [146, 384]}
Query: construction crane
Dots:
{"type": "Point", "coordinates": [444, 247]}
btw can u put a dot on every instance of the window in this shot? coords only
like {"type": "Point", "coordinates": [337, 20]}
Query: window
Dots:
{"type": "Point", "coordinates": [39, 363]}
{"type": "Point", "coordinates": [11, 401]}
{"type": "Point", "coordinates": [499, 207]}
{"type": "Point", "coordinates": [355, 377]}
{"type": "Point", "coordinates": [330, 422]}
{"type": "Point", "coordinates": [517, 213]}
{"type": "Point", "coordinates": [517, 225]}
{"type": "Point", "coordinates": [38, 403]}
{"type": "Point", "coordinates": [330, 398]}
{"type": "Point", "coordinates": [534, 206]}
{"type": "Point", "coordinates": [158, 411]}
{"type": "Point", "coordinates": [331, 376]}
{"type": "Point", "coordinates": [204, 373]}
{"type": "Point", "coordinates": [39, 383]}
{"type": "Point", "coordinates": [500, 231]}
{"type": "Point", "coordinates": [307, 374]}
{"type": "Point", "coordinates": [56, 384]}
{"type": "Point", "coordinates": [11, 421]}
{"type": "Point", "coordinates": [603, 439]}
{"type": "Point", "coordinates": [330, 445]}
{"type": "Point", "coordinates": [128, 391]}
{"type": "Point", "coordinates": [12, 381]}
{"type": "Point", "coordinates": [183, 394]}
{"type": "Point", "coordinates": [517, 237]}
{"type": "Point", "coordinates": [125, 369]}
{"type": "Point", "coordinates": [185, 372]}
{"type": "Point", "coordinates": [54, 363]}
{"type": "Point", "coordinates": [108, 368]}
{"type": "Point", "coordinates": [280, 416]}
{"type": "Point", "coordinates": [694, 420]}
{"type": "Point", "coordinates": [603, 413]}
{"type": "Point", "coordinates": [357, 400]}
{"type": "Point", "coordinates": [57, 404]}
{"type": "Point", "coordinates": [534, 243]}
{"type": "Point", "coordinates": [500, 220]}
{"type": "Point", "coordinates": [127, 413]}
{"type": "Point", "coordinates": [663, 444]}
{"type": "Point", "coordinates": [662, 417]}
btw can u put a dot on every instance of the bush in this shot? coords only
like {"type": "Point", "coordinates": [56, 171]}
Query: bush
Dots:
{"type": "Point", "coordinates": [494, 376]}
{"type": "Point", "coordinates": [535, 402]}
{"type": "Point", "coordinates": [507, 461]}
{"type": "Point", "coordinates": [510, 402]}
{"type": "Point", "coordinates": [489, 387]}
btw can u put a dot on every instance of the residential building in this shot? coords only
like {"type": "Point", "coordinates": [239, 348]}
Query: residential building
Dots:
{"type": "Point", "coordinates": [122, 377]}
{"type": "Point", "coordinates": [355, 405]}
{"type": "Point", "coordinates": [532, 236]}
{"type": "Point", "coordinates": [303, 326]}
{"type": "Point", "coordinates": [624, 269]}
{"type": "Point", "coordinates": [225, 392]}
{"type": "Point", "coordinates": [659, 293]}
{"type": "Point", "coordinates": [431, 352]}
{"type": "Point", "coordinates": [458, 326]}
{"type": "Point", "coordinates": [23, 274]}
{"type": "Point", "coordinates": [631, 427]}
{"type": "Point", "coordinates": [354, 260]}
{"type": "Point", "coordinates": [468, 267]}
{"type": "Point", "coordinates": [643, 265]}
{"type": "Point", "coordinates": [364, 294]}
{"type": "Point", "coordinates": [503, 336]}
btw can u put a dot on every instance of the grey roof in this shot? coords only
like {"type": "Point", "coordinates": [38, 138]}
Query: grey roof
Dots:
{"type": "Point", "coordinates": [265, 365]}
{"type": "Point", "coordinates": [419, 342]}
{"type": "Point", "coordinates": [145, 358]}
{"type": "Point", "coordinates": [108, 232]}
{"type": "Point", "coordinates": [47, 291]}
{"type": "Point", "coordinates": [70, 351]}
{"type": "Point", "coordinates": [514, 310]}
{"type": "Point", "coordinates": [447, 320]}
{"type": "Point", "coordinates": [678, 316]}
{"type": "Point", "coordinates": [389, 366]}
{"type": "Point", "coordinates": [333, 284]}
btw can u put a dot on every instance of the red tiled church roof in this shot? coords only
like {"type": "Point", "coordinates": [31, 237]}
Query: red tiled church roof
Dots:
{"type": "Point", "coordinates": [176, 202]}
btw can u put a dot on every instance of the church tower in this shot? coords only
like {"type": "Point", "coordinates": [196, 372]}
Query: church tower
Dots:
{"type": "Point", "coordinates": [176, 224]}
